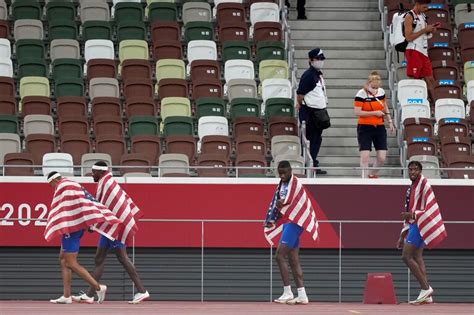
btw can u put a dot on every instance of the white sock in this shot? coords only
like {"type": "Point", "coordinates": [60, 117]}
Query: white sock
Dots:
{"type": "Point", "coordinates": [301, 292]}
{"type": "Point", "coordinates": [287, 290]}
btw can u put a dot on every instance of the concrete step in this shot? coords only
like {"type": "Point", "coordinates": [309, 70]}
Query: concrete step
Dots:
{"type": "Point", "coordinates": [357, 173]}
{"type": "Point", "coordinates": [311, 4]}
{"type": "Point", "coordinates": [350, 141]}
{"type": "Point", "coordinates": [343, 122]}
{"type": "Point", "coordinates": [348, 73]}
{"type": "Point", "coordinates": [332, 54]}
{"type": "Point", "coordinates": [345, 112]}
{"type": "Point", "coordinates": [301, 25]}
{"type": "Point", "coordinates": [332, 43]}
{"type": "Point", "coordinates": [345, 151]}
{"type": "Point", "coordinates": [352, 160]}
{"type": "Point", "coordinates": [347, 82]}
{"type": "Point", "coordinates": [374, 35]}
{"type": "Point", "coordinates": [339, 15]}
{"type": "Point", "coordinates": [347, 64]}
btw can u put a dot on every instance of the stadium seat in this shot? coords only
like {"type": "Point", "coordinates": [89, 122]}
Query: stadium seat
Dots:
{"type": "Point", "coordinates": [6, 67]}
{"type": "Point", "coordinates": [415, 108]}
{"type": "Point", "coordinates": [178, 125]}
{"type": "Point", "coordinates": [238, 69]}
{"type": "Point", "coordinates": [250, 144]}
{"type": "Point", "coordinates": [210, 106]}
{"type": "Point", "coordinates": [218, 145]}
{"type": "Point", "coordinates": [183, 144]}
{"type": "Point", "coordinates": [40, 144]}
{"type": "Point", "coordinates": [207, 88]}
{"type": "Point", "coordinates": [89, 159]}
{"type": "Point", "coordinates": [264, 12]}
{"type": "Point", "coordinates": [101, 68]}
{"type": "Point", "coordinates": [60, 10]}
{"type": "Point", "coordinates": [5, 48]}
{"type": "Point", "coordinates": [68, 86]}
{"type": "Point", "coordinates": [250, 165]}
{"type": "Point", "coordinates": [270, 50]}
{"type": "Point", "coordinates": [96, 30]}
{"type": "Point", "coordinates": [172, 88]}
{"type": "Point", "coordinates": [216, 165]}
{"type": "Point", "coordinates": [7, 105]}
{"type": "Point", "coordinates": [36, 105]}
{"type": "Point", "coordinates": [133, 49]}
{"type": "Point", "coordinates": [106, 106]}
{"type": "Point", "coordinates": [279, 107]}
{"type": "Point", "coordinates": [267, 31]}
{"type": "Point", "coordinates": [165, 30]}
{"type": "Point", "coordinates": [417, 127]}
{"type": "Point", "coordinates": [140, 106]}
{"type": "Point", "coordinates": [461, 161]}
{"type": "Point", "coordinates": [272, 88]}
{"type": "Point", "coordinates": [138, 87]}
{"type": "Point", "coordinates": [26, 9]}
{"type": "Point", "coordinates": [114, 145]}
{"type": "Point", "coordinates": [430, 165]}
{"type": "Point", "coordinates": [449, 108]}
{"type": "Point", "coordinates": [71, 106]}
{"type": "Point", "coordinates": [442, 52]}
{"type": "Point", "coordinates": [175, 106]}
{"type": "Point", "coordinates": [201, 50]}
{"type": "Point", "coordinates": [230, 12]}
{"type": "Point", "coordinates": [76, 145]}
{"type": "Point", "coordinates": [173, 165]}
{"type": "Point", "coordinates": [7, 86]}
{"type": "Point", "coordinates": [136, 162]}
{"type": "Point", "coordinates": [282, 126]}
{"type": "Point", "coordinates": [456, 145]}
{"type": "Point", "coordinates": [136, 69]}
{"type": "Point", "coordinates": [463, 13]}
{"type": "Point", "coordinates": [161, 11]}
{"type": "Point", "coordinates": [62, 29]}
{"type": "Point", "coordinates": [296, 162]}
{"type": "Point", "coordinates": [205, 69]}
{"type": "Point", "coordinates": [196, 12]}
{"type": "Point", "coordinates": [212, 126]}
{"type": "Point", "coordinates": [451, 127]}
{"type": "Point", "coordinates": [4, 29]}
{"type": "Point", "coordinates": [127, 30]}
{"type": "Point", "coordinates": [94, 11]}
{"type": "Point", "coordinates": [38, 124]}
{"type": "Point", "coordinates": [108, 125]}
{"type": "Point", "coordinates": [247, 125]}
{"type": "Point", "coordinates": [9, 143]}
{"type": "Point", "coordinates": [34, 86]}
{"type": "Point", "coordinates": [3, 10]}
{"type": "Point", "coordinates": [443, 34]}
{"type": "Point", "coordinates": [421, 146]}
{"type": "Point", "coordinates": [149, 145]}
{"type": "Point", "coordinates": [411, 89]}
{"type": "Point", "coordinates": [243, 106]}
{"type": "Point", "coordinates": [58, 162]}
{"type": "Point", "coordinates": [465, 34]}
{"type": "Point", "coordinates": [289, 145]}
{"type": "Point", "coordinates": [98, 49]}
{"type": "Point", "coordinates": [273, 69]}
{"type": "Point", "coordinates": [67, 68]}
{"type": "Point", "coordinates": [64, 48]}
{"type": "Point", "coordinates": [233, 32]}
{"type": "Point", "coordinates": [29, 48]}
{"type": "Point", "coordinates": [467, 53]}
{"type": "Point", "coordinates": [128, 11]}
{"type": "Point", "coordinates": [239, 88]}
{"type": "Point", "coordinates": [170, 69]}
{"type": "Point", "coordinates": [469, 71]}
{"type": "Point", "coordinates": [447, 89]}
{"type": "Point", "coordinates": [73, 125]}
{"type": "Point", "coordinates": [236, 50]}
{"type": "Point", "coordinates": [8, 124]}
{"type": "Point", "coordinates": [19, 159]}
{"type": "Point", "coordinates": [143, 125]}
{"type": "Point", "coordinates": [437, 13]}
{"type": "Point", "coordinates": [28, 29]}
{"type": "Point", "coordinates": [103, 87]}
{"type": "Point", "coordinates": [35, 67]}
{"type": "Point", "coordinates": [445, 70]}
{"type": "Point", "coordinates": [167, 49]}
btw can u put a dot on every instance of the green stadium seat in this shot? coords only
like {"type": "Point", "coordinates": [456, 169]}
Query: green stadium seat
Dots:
{"type": "Point", "coordinates": [178, 125]}
{"type": "Point", "coordinates": [128, 11]}
{"type": "Point", "coordinates": [96, 30]}
{"type": "Point", "coordinates": [30, 48]}
{"type": "Point", "coordinates": [279, 106]}
{"type": "Point", "coordinates": [68, 87]}
{"type": "Point", "coordinates": [210, 106]}
{"type": "Point", "coordinates": [161, 11]}
{"type": "Point", "coordinates": [60, 10]}
{"type": "Point", "coordinates": [143, 125]}
{"type": "Point", "coordinates": [8, 124]}
{"type": "Point", "coordinates": [198, 31]}
{"type": "Point", "coordinates": [62, 29]}
{"type": "Point", "coordinates": [26, 9]}
{"type": "Point", "coordinates": [131, 30]}
{"type": "Point", "coordinates": [67, 68]}
{"type": "Point", "coordinates": [244, 107]}
{"type": "Point", "coordinates": [236, 50]}
{"type": "Point", "coordinates": [270, 50]}
{"type": "Point", "coordinates": [32, 67]}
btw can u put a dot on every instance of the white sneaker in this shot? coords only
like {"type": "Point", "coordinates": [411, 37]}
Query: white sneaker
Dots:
{"type": "Point", "coordinates": [101, 293]}
{"type": "Point", "coordinates": [62, 300]}
{"type": "Point", "coordinates": [423, 296]}
{"type": "Point", "coordinates": [429, 300]}
{"type": "Point", "coordinates": [138, 297]}
{"type": "Point", "coordinates": [82, 297]}
{"type": "Point", "coordinates": [298, 300]}
{"type": "Point", "coordinates": [284, 298]}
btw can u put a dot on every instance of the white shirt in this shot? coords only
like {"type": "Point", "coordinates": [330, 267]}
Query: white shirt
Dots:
{"type": "Point", "coordinates": [421, 42]}
{"type": "Point", "coordinates": [317, 98]}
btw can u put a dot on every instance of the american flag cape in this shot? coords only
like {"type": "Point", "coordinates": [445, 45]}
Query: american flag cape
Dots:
{"type": "Point", "coordinates": [71, 211]}
{"type": "Point", "coordinates": [122, 206]}
{"type": "Point", "coordinates": [428, 217]}
{"type": "Point", "coordinates": [297, 208]}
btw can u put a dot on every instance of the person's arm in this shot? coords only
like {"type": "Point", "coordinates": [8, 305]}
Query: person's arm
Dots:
{"type": "Point", "coordinates": [362, 113]}
{"type": "Point", "coordinates": [299, 101]}
{"type": "Point", "coordinates": [409, 34]}
{"type": "Point", "coordinates": [389, 118]}
{"type": "Point", "coordinates": [306, 85]}
{"type": "Point", "coordinates": [401, 240]}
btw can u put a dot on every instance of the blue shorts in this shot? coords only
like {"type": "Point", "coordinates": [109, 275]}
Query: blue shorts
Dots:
{"type": "Point", "coordinates": [290, 236]}
{"type": "Point", "coordinates": [106, 243]}
{"type": "Point", "coordinates": [414, 237]}
{"type": "Point", "coordinates": [70, 243]}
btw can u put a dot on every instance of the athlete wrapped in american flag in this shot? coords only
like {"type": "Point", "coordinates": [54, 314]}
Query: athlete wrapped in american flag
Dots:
{"type": "Point", "coordinates": [290, 213]}
{"type": "Point", "coordinates": [423, 226]}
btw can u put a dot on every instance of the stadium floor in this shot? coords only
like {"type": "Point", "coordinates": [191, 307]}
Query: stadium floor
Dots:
{"type": "Point", "coordinates": [225, 308]}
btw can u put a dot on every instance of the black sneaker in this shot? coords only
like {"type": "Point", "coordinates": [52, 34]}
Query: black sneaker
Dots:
{"type": "Point", "coordinates": [287, 3]}
{"type": "Point", "coordinates": [302, 17]}
{"type": "Point", "coordinates": [321, 172]}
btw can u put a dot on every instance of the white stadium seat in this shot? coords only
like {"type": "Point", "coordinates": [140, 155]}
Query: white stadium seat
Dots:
{"type": "Point", "coordinates": [449, 108]}
{"type": "Point", "coordinates": [201, 50]}
{"type": "Point", "coordinates": [411, 89]}
{"type": "Point", "coordinates": [289, 145]}
{"type": "Point", "coordinates": [59, 162]}
{"type": "Point", "coordinates": [415, 108]}
{"type": "Point", "coordinates": [6, 67]}
{"type": "Point", "coordinates": [5, 48]}
{"type": "Point", "coordinates": [213, 126]}
{"type": "Point", "coordinates": [264, 12]}
{"type": "Point", "coordinates": [9, 143]}
{"type": "Point", "coordinates": [38, 124]}
{"type": "Point", "coordinates": [238, 69]}
{"type": "Point", "coordinates": [99, 49]}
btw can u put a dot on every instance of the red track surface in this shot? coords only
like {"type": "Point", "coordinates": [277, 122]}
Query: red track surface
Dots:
{"type": "Point", "coordinates": [227, 308]}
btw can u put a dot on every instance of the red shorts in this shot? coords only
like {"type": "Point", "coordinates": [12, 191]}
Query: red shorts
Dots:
{"type": "Point", "coordinates": [418, 65]}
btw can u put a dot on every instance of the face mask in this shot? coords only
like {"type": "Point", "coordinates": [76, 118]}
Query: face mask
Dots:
{"type": "Point", "coordinates": [372, 90]}
{"type": "Point", "coordinates": [318, 64]}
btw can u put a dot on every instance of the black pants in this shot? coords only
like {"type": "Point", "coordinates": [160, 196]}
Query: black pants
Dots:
{"type": "Point", "coordinates": [313, 134]}
{"type": "Point", "coordinates": [300, 8]}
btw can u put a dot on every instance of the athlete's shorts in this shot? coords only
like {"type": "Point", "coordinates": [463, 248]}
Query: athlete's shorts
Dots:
{"type": "Point", "coordinates": [414, 236]}
{"type": "Point", "coordinates": [418, 65]}
{"type": "Point", "coordinates": [290, 236]}
{"type": "Point", "coordinates": [70, 243]}
{"type": "Point", "coordinates": [106, 243]}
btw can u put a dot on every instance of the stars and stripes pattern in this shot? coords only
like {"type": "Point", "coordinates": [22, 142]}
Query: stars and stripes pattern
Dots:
{"type": "Point", "coordinates": [122, 206]}
{"type": "Point", "coordinates": [72, 210]}
{"type": "Point", "coordinates": [297, 208]}
{"type": "Point", "coordinates": [423, 203]}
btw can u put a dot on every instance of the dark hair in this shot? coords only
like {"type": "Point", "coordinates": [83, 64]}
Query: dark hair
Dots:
{"type": "Point", "coordinates": [101, 163]}
{"type": "Point", "coordinates": [52, 174]}
{"type": "Point", "coordinates": [423, 1]}
{"type": "Point", "coordinates": [284, 164]}
{"type": "Point", "coordinates": [417, 164]}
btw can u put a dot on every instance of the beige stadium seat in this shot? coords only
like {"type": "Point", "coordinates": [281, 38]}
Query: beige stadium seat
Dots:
{"type": "Point", "coordinates": [34, 124]}
{"type": "Point", "coordinates": [174, 164]}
